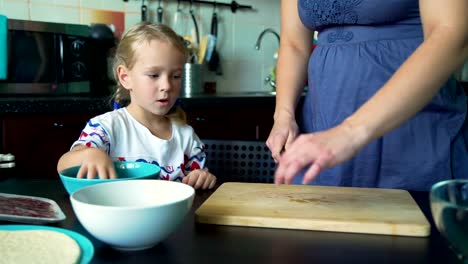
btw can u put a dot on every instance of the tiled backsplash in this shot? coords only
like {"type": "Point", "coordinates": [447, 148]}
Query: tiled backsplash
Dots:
{"type": "Point", "coordinates": [244, 67]}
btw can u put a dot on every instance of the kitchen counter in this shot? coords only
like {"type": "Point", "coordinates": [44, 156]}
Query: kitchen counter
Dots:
{"type": "Point", "coordinates": [90, 104]}
{"type": "Point", "coordinates": [53, 104]}
{"type": "Point", "coordinates": [202, 243]}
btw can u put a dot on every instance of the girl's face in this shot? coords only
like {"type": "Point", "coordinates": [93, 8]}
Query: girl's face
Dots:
{"type": "Point", "coordinates": [155, 80]}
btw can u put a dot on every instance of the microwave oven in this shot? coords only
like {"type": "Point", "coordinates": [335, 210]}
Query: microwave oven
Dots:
{"type": "Point", "coordinates": [49, 58]}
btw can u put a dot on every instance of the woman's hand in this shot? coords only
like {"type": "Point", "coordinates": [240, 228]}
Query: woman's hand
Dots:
{"type": "Point", "coordinates": [200, 179]}
{"type": "Point", "coordinates": [320, 150]}
{"type": "Point", "coordinates": [96, 163]}
{"type": "Point", "coordinates": [283, 133]}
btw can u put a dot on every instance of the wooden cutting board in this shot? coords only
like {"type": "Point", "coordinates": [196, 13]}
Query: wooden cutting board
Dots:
{"type": "Point", "coordinates": [338, 209]}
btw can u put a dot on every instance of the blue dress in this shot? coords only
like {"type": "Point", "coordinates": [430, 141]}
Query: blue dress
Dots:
{"type": "Point", "coordinates": [361, 43]}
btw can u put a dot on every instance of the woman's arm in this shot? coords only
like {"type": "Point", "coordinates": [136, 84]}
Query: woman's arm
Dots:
{"type": "Point", "coordinates": [295, 48]}
{"type": "Point", "coordinates": [415, 83]}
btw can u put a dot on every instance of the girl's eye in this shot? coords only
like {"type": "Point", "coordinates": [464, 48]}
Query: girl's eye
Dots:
{"type": "Point", "coordinates": [153, 76]}
{"type": "Point", "coordinates": [177, 76]}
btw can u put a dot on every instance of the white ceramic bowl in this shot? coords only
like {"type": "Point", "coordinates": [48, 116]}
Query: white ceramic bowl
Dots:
{"type": "Point", "coordinates": [132, 215]}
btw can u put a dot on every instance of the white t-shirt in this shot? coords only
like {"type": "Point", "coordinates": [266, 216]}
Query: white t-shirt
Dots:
{"type": "Point", "coordinates": [126, 139]}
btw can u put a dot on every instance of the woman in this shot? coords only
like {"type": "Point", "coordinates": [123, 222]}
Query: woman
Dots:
{"type": "Point", "coordinates": [381, 109]}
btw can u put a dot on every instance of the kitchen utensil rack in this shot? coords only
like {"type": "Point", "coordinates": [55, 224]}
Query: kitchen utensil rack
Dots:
{"type": "Point", "coordinates": [233, 5]}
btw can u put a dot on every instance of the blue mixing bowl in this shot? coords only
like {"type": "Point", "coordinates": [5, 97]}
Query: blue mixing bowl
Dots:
{"type": "Point", "coordinates": [125, 171]}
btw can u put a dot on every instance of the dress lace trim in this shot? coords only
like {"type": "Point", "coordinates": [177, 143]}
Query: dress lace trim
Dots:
{"type": "Point", "coordinates": [332, 12]}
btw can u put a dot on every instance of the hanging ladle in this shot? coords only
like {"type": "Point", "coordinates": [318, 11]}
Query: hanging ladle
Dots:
{"type": "Point", "coordinates": [144, 11]}
{"type": "Point", "coordinates": [159, 12]}
{"type": "Point", "coordinates": [195, 24]}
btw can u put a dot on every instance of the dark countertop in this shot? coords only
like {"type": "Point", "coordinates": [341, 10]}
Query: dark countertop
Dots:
{"type": "Point", "coordinates": [93, 104]}
{"type": "Point", "coordinates": [53, 104]}
{"type": "Point", "coordinates": [42, 104]}
{"type": "Point", "coordinates": [204, 243]}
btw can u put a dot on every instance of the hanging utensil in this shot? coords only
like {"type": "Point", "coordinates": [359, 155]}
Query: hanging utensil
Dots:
{"type": "Point", "coordinates": [212, 38]}
{"type": "Point", "coordinates": [214, 21]}
{"type": "Point", "coordinates": [180, 21]}
{"type": "Point", "coordinates": [159, 12]}
{"type": "Point", "coordinates": [176, 18]}
{"type": "Point", "coordinates": [144, 11]}
{"type": "Point", "coordinates": [181, 25]}
{"type": "Point", "coordinates": [202, 49]}
{"type": "Point", "coordinates": [195, 24]}
{"type": "Point", "coordinates": [214, 64]}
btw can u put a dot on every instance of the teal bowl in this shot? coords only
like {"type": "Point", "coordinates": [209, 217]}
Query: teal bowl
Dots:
{"type": "Point", "coordinates": [125, 171]}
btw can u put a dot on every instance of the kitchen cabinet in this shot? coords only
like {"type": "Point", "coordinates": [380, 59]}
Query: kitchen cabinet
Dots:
{"type": "Point", "coordinates": [39, 139]}
{"type": "Point", "coordinates": [238, 123]}
{"type": "Point", "coordinates": [233, 118]}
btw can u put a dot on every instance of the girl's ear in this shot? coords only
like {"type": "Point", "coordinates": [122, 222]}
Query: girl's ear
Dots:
{"type": "Point", "coordinates": [124, 77]}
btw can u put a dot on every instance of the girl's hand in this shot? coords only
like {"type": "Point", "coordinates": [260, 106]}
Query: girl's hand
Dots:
{"type": "Point", "coordinates": [320, 150]}
{"type": "Point", "coordinates": [283, 133]}
{"type": "Point", "coordinates": [200, 179]}
{"type": "Point", "coordinates": [96, 162]}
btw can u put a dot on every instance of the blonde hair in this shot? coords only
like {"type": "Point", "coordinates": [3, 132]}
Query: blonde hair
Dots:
{"type": "Point", "coordinates": [125, 55]}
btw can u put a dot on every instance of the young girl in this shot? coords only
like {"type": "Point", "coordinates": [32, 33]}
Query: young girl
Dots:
{"type": "Point", "coordinates": [148, 69]}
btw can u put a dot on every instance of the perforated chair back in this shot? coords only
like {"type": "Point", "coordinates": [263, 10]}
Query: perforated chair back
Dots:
{"type": "Point", "coordinates": [240, 161]}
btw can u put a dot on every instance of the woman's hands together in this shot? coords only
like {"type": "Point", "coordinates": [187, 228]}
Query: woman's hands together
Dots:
{"type": "Point", "coordinates": [283, 133]}
{"type": "Point", "coordinates": [200, 179]}
{"type": "Point", "coordinates": [320, 150]}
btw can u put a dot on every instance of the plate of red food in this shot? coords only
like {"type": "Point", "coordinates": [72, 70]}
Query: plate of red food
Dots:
{"type": "Point", "coordinates": [29, 209]}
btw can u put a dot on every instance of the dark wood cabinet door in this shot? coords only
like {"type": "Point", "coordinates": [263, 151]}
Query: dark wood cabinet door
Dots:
{"type": "Point", "coordinates": [38, 140]}
{"type": "Point", "coordinates": [232, 124]}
